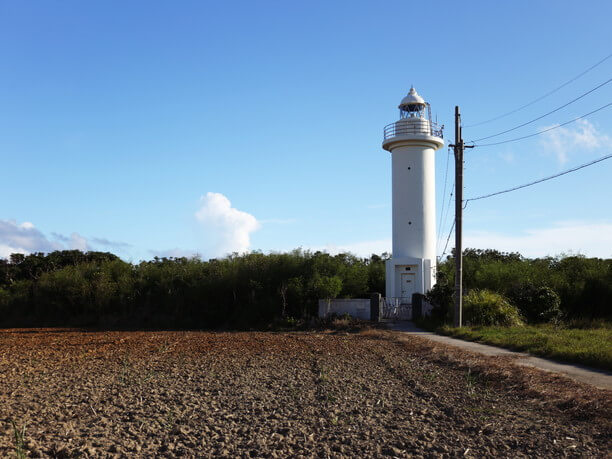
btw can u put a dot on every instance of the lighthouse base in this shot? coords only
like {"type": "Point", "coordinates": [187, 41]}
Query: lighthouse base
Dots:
{"type": "Point", "coordinates": [406, 275]}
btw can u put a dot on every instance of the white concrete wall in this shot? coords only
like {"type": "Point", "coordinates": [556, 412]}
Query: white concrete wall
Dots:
{"type": "Point", "coordinates": [358, 308]}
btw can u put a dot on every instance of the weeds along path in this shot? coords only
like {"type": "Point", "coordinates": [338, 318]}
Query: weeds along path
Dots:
{"type": "Point", "coordinates": [66, 393]}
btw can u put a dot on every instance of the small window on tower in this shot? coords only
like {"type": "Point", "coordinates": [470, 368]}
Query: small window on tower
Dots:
{"type": "Point", "coordinates": [408, 268]}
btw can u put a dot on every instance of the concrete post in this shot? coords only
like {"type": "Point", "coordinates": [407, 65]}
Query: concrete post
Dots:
{"type": "Point", "coordinates": [417, 305]}
{"type": "Point", "coordinates": [375, 307]}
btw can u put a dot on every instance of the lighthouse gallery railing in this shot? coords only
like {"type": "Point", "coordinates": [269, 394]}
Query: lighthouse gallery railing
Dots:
{"type": "Point", "coordinates": [415, 126]}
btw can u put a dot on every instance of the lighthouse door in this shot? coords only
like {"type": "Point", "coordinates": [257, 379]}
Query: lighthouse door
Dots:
{"type": "Point", "coordinates": [408, 286]}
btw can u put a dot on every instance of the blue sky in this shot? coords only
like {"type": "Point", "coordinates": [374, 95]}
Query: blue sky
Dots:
{"type": "Point", "coordinates": [169, 128]}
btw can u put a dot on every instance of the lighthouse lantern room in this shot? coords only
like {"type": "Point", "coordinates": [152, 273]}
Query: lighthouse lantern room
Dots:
{"type": "Point", "coordinates": [412, 141]}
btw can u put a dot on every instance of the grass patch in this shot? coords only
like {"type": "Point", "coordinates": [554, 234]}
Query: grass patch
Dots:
{"type": "Point", "coordinates": [587, 346]}
{"type": "Point", "coordinates": [19, 436]}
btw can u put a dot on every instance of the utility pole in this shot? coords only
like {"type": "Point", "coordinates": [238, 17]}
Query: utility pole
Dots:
{"type": "Point", "coordinates": [458, 149]}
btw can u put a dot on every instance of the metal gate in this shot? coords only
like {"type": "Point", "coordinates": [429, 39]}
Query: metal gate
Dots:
{"type": "Point", "coordinates": [395, 309]}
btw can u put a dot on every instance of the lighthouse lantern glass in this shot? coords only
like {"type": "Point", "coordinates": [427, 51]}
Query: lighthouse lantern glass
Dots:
{"type": "Point", "coordinates": [412, 111]}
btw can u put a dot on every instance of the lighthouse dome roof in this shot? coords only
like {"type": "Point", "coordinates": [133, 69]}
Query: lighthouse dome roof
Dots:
{"type": "Point", "coordinates": [412, 98]}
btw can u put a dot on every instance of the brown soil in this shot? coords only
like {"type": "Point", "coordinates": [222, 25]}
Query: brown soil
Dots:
{"type": "Point", "coordinates": [143, 394]}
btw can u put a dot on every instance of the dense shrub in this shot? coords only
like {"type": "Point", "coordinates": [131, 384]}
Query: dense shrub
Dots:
{"type": "Point", "coordinates": [238, 291]}
{"type": "Point", "coordinates": [537, 304]}
{"type": "Point", "coordinates": [441, 298]}
{"type": "Point", "coordinates": [483, 307]}
{"type": "Point", "coordinates": [584, 285]}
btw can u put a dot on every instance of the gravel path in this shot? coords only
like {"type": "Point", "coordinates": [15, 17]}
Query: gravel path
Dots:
{"type": "Point", "coordinates": [170, 394]}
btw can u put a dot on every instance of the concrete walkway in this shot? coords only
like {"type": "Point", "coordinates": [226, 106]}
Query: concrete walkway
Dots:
{"type": "Point", "coordinates": [598, 378]}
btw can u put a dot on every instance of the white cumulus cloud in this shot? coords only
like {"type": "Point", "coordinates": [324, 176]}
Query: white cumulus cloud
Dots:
{"type": "Point", "coordinates": [228, 228]}
{"type": "Point", "coordinates": [23, 238]}
{"type": "Point", "coordinates": [26, 238]}
{"type": "Point", "coordinates": [580, 138]}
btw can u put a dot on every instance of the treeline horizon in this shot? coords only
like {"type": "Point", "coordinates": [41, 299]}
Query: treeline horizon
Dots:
{"type": "Point", "coordinates": [255, 290]}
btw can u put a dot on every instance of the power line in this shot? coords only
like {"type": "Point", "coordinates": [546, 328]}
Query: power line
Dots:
{"type": "Point", "coordinates": [603, 158]}
{"type": "Point", "coordinates": [545, 114]}
{"type": "Point", "coordinates": [448, 239]}
{"type": "Point", "coordinates": [443, 195]}
{"type": "Point", "coordinates": [448, 207]}
{"type": "Point", "coordinates": [542, 97]}
{"type": "Point", "coordinates": [545, 130]}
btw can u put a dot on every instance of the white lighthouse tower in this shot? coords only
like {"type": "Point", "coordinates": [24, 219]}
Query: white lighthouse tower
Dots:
{"type": "Point", "coordinates": [412, 141]}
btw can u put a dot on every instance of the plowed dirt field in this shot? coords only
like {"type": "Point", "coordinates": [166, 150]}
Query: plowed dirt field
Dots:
{"type": "Point", "coordinates": [70, 393]}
